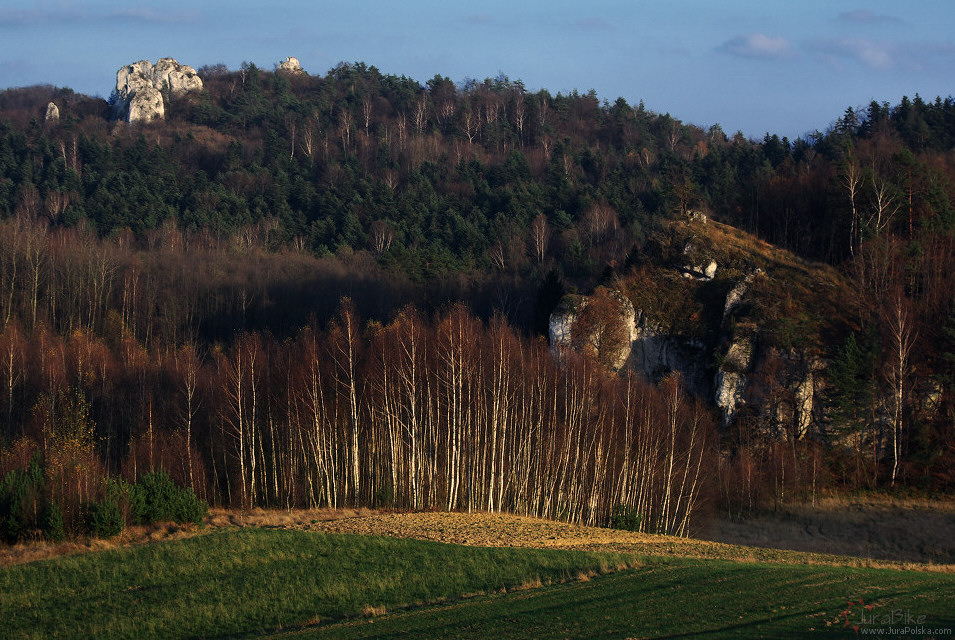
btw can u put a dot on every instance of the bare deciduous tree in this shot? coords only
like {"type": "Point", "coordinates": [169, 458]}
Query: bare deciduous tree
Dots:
{"type": "Point", "coordinates": [382, 234]}
{"type": "Point", "coordinates": [900, 329]}
{"type": "Point", "coordinates": [540, 237]}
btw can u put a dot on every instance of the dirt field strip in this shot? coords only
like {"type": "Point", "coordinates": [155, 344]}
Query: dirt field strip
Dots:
{"type": "Point", "coordinates": [497, 529]}
{"type": "Point", "coordinates": [803, 537]}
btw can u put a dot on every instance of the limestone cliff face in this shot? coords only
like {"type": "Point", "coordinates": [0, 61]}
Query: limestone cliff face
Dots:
{"type": "Point", "coordinates": [603, 324]}
{"type": "Point", "coordinates": [139, 87]}
{"type": "Point", "coordinates": [736, 367]}
{"type": "Point", "coordinates": [179, 78]}
{"type": "Point", "coordinates": [561, 323]}
{"type": "Point", "coordinates": [655, 353]}
{"type": "Point", "coordinates": [732, 376]}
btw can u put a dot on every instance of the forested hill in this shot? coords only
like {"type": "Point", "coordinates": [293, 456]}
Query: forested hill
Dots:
{"type": "Point", "coordinates": [440, 178]}
{"type": "Point", "coordinates": [260, 294]}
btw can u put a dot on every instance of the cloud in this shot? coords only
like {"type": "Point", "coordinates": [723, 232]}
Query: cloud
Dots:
{"type": "Point", "coordinates": [865, 16]}
{"type": "Point", "coordinates": [24, 17]}
{"type": "Point", "coordinates": [887, 56]}
{"type": "Point", "coordinates": [871, 53]}
{"type": "Point", "coordinates": [758, 45]}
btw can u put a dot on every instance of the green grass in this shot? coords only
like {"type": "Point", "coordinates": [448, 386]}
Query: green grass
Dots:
{"type": "Point", "coordinates": [258, 580]}
{"type": "Point", "coordinates": [681, 598]}
{"type": "Point", "coordinates": [274, 582]}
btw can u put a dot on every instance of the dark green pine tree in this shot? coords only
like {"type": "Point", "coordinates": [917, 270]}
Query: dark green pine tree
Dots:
{"type": "Point", "coordinates": [852, 380]}
{"type": "Point", "coordinates": [852, 392]}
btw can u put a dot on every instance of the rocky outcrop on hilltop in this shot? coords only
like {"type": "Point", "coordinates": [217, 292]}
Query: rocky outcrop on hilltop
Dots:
{"type": "Point", "coordinates": [744, 324]}
{"type": "Point", "coordinates": [139, 88]}
{"type": "Point", "coordinates": [290, 65]}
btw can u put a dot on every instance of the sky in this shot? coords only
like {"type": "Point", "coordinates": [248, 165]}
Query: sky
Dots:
{"type": "Point", "coordinates": [756, 66]}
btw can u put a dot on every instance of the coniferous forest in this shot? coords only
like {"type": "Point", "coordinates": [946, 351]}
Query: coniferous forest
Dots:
{"type": "Point", "coordinates": [301, 291]}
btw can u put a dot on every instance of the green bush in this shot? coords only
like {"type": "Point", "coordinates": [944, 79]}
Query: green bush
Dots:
{"type": "Point", "coordinates": [103, 519]}
{"type": "Point", "coordinates": [21, 502]}
{"type": "Point", "coordinates": [626, 518]}
{"type": "Point", "coordinates": [51, 523]}
{"type": "Point", "coordinates": [156, 498]}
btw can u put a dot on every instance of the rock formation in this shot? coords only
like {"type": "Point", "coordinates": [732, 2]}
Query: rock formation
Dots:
{"type": "Point", "coordinates": [705, 269]}
{"type": "Point", "coordinates": [290, 65]}
{"type": "Point", "coordinates": [177, 77]}
{"type": "Point", "coordinates": [733, 364]}
{"type": "Point", "coordinates": [656, 353]}
{"type": "Point", "coordinates": [561, 323]}
{"type": "Point", "coordinates": [52, 112]}
{"type": "Point", "coordinates": [139, 86]}
{"type": "Point", "coordinates": [732, 376]}
{"type": "Point", "coordinates": [735, 297]}
{"type": "Point", "coordinates": [603, 324]}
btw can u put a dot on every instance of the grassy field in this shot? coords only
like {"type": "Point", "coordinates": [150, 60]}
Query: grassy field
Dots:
{"type": "Point", "coordinates": [683, 598]}
{"type": "Point", "coordinates": [270, 581]}
{"type": "Point", "coordinates": [259, 580]}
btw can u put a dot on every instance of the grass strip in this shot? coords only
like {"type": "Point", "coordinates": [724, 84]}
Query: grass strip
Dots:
{"type": "Point", "coordinates": [254, 580]}
{"type": "Point", "coordinates": [682, 597]}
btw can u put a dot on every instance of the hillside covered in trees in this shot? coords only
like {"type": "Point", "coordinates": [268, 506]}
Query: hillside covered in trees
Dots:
{"type": "Point", "coordinates": [303, 290]}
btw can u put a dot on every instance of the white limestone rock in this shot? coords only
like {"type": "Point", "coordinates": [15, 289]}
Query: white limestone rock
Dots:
{"type": "Point", "coordinates": [701, 267]}
{"type": "Point", "coordinates": [179, 78]}
{"type": "Point", "coordinates": [139, 88]}
{"type": "Point", "coordinates": [561, 323]}
{"type": "Point", "coordinates": [290, 65]}
{"type": "Point", "coordinates": [735, 297]}
{"type": "Point", "coordinates": [564, 322]}
{"type": "Point", "coordinates": [145, 104]}
{"type": "Point", "coordinates": [804, 395]}
{"type": "Point", "coordinates": [730, 387]}
{"type": "Point", "coordinates": [732, 377]}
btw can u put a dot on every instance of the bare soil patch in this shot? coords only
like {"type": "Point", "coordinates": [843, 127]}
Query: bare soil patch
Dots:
{"type": "Point", "coordinates": [499, 529]}
{"type": "Point", "coordinates": [876, 534]}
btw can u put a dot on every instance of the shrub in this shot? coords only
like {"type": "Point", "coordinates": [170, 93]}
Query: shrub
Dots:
{"type": "Point", "coordinates": [626, 518]}
{"type": "Point", "coordinates": [21, 501]}
{"type": "Point", "coordinates": [156, 498]}
{"type": "Point", "coordinates": [103, 519]}
{"type": "Point", "coordinates": [51, 523]}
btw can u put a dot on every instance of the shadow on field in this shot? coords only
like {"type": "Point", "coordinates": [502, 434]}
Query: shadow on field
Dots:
{"type": "Point", "coordinates": [904, 531]}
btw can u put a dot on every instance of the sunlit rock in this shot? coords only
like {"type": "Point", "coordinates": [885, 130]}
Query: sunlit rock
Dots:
{"type": "Point", "coordinates": [290, 65]}
{"type": "Point", "coordinates": [140, 85]}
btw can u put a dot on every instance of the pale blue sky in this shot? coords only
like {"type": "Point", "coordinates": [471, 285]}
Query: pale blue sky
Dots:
{"type": "Point", "coordinates": [749, 65]}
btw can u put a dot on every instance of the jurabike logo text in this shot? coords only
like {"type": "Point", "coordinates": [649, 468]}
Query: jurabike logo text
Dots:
{"type": "Point", "coordinates": [874, 620]}
{"type": "Point", "coordinates": [896, 616]}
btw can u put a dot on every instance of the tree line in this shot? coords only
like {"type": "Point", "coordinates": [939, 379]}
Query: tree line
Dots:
{"type": "Point", "coordinates": [446, 412]}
